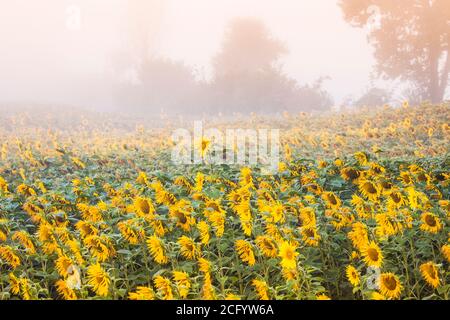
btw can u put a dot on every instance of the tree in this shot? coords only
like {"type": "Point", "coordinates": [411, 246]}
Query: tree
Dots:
{"type": "Point", "coordinates": [248, 76]}
{"type": "Point", "coordinates": [373, 97]}
{"type": "Point", "coordinates": [410, 38]}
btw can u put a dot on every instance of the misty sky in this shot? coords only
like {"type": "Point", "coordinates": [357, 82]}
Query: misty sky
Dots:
{"type": "Point", "coordinates": [42, 59]}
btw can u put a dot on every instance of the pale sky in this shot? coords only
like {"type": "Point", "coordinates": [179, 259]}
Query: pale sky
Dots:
{"type": "Point", "coordinates": [41, 57]}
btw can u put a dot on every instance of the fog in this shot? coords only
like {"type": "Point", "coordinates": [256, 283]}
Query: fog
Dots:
{"type": "Point", "coordinates": [76, 52]}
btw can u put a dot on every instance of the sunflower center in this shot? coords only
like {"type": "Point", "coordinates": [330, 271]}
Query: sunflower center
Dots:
{"type": "Point", "coordinates": [332, 199]}
{"type": "Point", "coordinates": [430, 220]}
{"type": "Point", "coordinates": [373, 254]}
{"type": "Point", "coordinates": [289, 254]}
{"type": "Point", "coordinates": [370, 188]}
{"type": "Point", "coordinates": [145, 208]}
{"type": "Point", "coordinates": [390, 283]}
{"type": "Point", "coordinates": [431, 272]}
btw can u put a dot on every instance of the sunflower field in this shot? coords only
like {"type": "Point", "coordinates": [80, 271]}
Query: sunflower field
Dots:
{"type": "Point", "coordinates": [92, 208]}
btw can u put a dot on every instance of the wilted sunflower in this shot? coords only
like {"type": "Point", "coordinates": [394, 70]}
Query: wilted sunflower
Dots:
{"type": "Point", "coordinates": [430, 223]}
{"type": "Point", "coordinates": [359, 235]}
{"type": "Point", "coordinates": [245, 251]}
{"type": "Point", "coordinates": [8, 255]}
{"type": "Point", "coordinates": [203, 228]}
{"type": "Point", "coordinates": [372, 255]}
{"type": "Point", "coordinates": [267, 246]}
{"type": "Point", "coordinates": [156, 248]}
{"type": "Point", "coordinates": [287, 253]}
{"type": "Point", "coordinates": [352, 275]}
{"type": "Point", "coordinates": [390, 285]}
{"type": "Point", "coordinates": [204, 265]}
{"type": "Point", "coordinates": [164, 287]}
{"type": "Point", "coordinates": [261, 289]}
{"type": "Point", "coordinates": [182, 282]}
{"type": "Point", "coordinates": [188, 248]}
{"type": "Point", "coordinates": [430, 273]}
{"type": "Point", "coordinates": [207, 288]}
{"type": "Point", "coordinates": [98, 279]}
{"type": "Point", "coordinates": [24, 238]}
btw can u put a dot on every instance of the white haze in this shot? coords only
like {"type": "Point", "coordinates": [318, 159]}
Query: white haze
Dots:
{"type": "Point", "coordinates": [44, 61]}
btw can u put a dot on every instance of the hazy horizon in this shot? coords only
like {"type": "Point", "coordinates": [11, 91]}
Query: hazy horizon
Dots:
{"type": "Point", "coordinates": [45, 61]}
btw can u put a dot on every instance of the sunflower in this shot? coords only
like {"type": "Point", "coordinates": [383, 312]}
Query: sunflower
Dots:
{"type": "Point", "coordinates": [203, 145]}
{"type": "Point", "coordinates": [361, 157]}
{"type": "Point", "coordinates": [372, 255]}
{"type": "Point", "coordinates": [164, 287]}
{"type": "Point", "coordinates": [24, 238]}
{"type": "Point", "coordinates": [310, 236]}
{"type": "Point", "coordinates": [446, 251]}
{"type": "Point", "coordinates": [307, 217]}
{"type": "Point", "coordinates": [395, 200]}
{"type": "Point", "coordinates": [207, 288]}
{"type": "Point", "coordinates": [390, 285]}
{"type": "Point", "coordinates": [131, 232]}
{"type": "Point", "coordinates": [430, 273]}
{"type": "Point", "coordinates": [98, 279]}
{"type": "Point", "coordinates": [377, 296]}
{"type": "Point", "coordinates": [350, 173]}
{"type": "Point", "coordinates": [232, 297]}
{"type": "Point", "coordinates": [143, 207]}
{"type": "Point", "coordinates": [352, 275]}
{"type": "Point", "coordinates": [86, 228]}
{"type": "Point", "coordinates": [203, 228]}
{"type": "Point", "coordinates": [8, 255]}
{"type": "Point", "coordinates": [62, 265]}
{"type": "Point", "coordinates": [332, 200]}
{"type": "Point", "coordinates": [217, 220]}
{"type": "Point", "coordinates": [182, 282]}
{"type": "Point", "coordinates": [100, 247]}
{"type": "Point", "coordinates": [181, 212]}
{"type": "Point", "coordinates": [245, 251]}
{"type": "Point", "coordinates": [430, 223]}
{"type": "Point", "coordinates": [405, 177]}
{"type": "Point", "coordinates": [142, 293]}
{"type": "Point", "coordinates": [204, 265]}
{"type": "Point", "coordinates": [369, 190]}
{"type": "Point", "coordinates": [261, 289]}
{"type": "Point", "coordinates": [188, 248]}
{"type": "Point", "coordinates": [267, 246]}
{"type": "Point", "coordinates": [156, 248]}
{"type": "Point", "coordinates": [359, 235]}
{"type": "Point", "coordinates": [246, 177]}
{"type": "Point", "coordinates": [287, 253]}
{"type": "Point", "coordinates": [65, 291]}
{"type": "Point", "coordinates": [183, 182]}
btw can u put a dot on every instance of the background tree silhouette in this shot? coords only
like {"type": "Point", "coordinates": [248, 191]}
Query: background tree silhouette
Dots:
{"type": "Point", "coordinates": [248, 76]}
{"type": "Point", "coordinates": [411, 40]}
